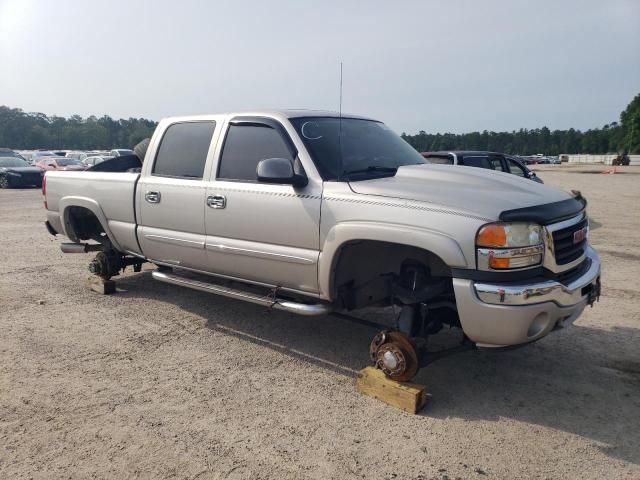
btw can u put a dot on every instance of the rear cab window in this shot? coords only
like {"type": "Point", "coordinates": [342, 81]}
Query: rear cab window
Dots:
{"type": "Point", "coordinates": [183, 150]}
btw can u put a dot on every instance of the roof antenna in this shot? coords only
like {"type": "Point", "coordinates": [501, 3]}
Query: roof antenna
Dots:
{"type": "Point", "coordinates": [340, 111]}
{"type": "Point", "coordinates": [340, 123]}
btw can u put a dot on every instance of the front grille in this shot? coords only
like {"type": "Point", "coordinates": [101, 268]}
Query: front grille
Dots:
{"type": "Point", "coordinates": [570, 275]}
{"type": "Point", "coordinates": [565, 250]}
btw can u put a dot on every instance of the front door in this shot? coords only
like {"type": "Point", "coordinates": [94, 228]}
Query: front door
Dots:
{"type": "Point", "coordinates": [171, 196]}
{"type": "Point", "coordinates": [266, 233]}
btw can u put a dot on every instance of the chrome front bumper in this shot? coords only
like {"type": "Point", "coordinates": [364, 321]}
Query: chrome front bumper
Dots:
{"type": "Point", "coordinates": [502, 314]}
{"type": "Point", "coordinates": [588, 284]}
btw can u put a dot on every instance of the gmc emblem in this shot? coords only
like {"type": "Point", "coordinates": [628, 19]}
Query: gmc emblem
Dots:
{"type": "Point", "coordinates": [580, 235]}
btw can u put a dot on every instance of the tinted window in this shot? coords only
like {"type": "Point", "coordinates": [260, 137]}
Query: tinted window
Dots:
{"type": "Point", "coordinates": [245, 146]}
{"type": "Point", "coordinates": [481, 162]}
{"type": "Point", "coordinates": [516, 169]}
{"type": "Point", "coordinates": [183, 150]}
{"type": "Point", "coordinates": [347, 145]}
{"type": "Point", "coordinates": [496, 163]}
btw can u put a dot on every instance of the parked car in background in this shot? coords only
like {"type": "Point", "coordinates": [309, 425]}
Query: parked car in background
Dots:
{"type": "Point", "coordinates": [7, 152]}
{"type": "Point", "coordinates": [95, 160]}
{"type": "Point", "coordinates": [74, 154]}
{"type": "Point", "coordinates": [38, 155]}
{"type": "Point", "coordinates": [60, 164]}
{"type": "Point", "coordinates": [489, 160]}
{"type": "Point", "coordinates": [120, 152]}
{"type": "Point", "coordinates": [16, 172]}
{"type": "Point", "coordinates": [92, 153]}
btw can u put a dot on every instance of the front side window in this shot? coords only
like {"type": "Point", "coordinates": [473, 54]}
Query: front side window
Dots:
{"type": "Point", "coordinates": [351, 148]}
{"type": "Point", "coordinates": [497, 164]}
{"type": "Point", "coordinates": [183, 150]}
{"type": "Point", "coordinates": [245, 146]}
{"type": "Point", "coordinates": [516, 169]}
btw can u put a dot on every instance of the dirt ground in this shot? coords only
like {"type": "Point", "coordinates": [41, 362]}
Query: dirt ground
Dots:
{"type": "Point", "coordinates": [163, 382]}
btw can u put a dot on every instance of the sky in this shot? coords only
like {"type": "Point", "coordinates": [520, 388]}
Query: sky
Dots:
{"type": "Point", "coordinates": [439, 66]}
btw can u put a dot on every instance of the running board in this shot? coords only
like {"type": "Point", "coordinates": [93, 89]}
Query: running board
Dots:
{"type": "Point", "coordinates": [308, 309]}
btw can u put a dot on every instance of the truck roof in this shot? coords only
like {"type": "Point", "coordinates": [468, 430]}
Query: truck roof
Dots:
{"type": "Point", "coordinates": [282, 114]}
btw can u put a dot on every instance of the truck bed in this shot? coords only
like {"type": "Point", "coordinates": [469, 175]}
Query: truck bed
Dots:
{"type": "Point", "coordinates": [109, 195]}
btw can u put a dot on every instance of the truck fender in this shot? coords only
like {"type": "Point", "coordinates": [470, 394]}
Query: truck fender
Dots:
{"type": "Point", "coordinates": [436, 242]}
{"type": "Point", "coordinates": [90, 204]}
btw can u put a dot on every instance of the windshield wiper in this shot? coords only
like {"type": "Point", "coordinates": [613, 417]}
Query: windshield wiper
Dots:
{"type": "Point", "coordinates": [370, 169]}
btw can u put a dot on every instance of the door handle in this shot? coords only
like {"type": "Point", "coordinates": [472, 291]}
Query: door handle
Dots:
{"type": "Point", "coordinates": [152, 197]}
{"type": "Point", "coordinates": [216, 201]}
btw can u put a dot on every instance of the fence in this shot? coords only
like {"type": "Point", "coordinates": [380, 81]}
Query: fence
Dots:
{"type": "Point", "coordinates": [601, 159]}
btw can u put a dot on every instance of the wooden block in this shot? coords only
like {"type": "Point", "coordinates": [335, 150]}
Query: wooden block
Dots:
{"type": "Point", "coordinates": [409, 397]}
{"type": "Point", "coordinates": [103, 287]}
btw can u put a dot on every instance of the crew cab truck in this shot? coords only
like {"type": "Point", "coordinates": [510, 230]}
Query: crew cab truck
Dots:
{"type": "Point", "coordinates": [315, 212]}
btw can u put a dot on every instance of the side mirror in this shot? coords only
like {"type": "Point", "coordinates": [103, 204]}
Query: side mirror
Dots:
{"type": "Point", "coordinates": [279, 170]}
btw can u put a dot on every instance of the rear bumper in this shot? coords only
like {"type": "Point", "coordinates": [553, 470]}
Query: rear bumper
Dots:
{"type": "Point", "coordinates": [502, 314]}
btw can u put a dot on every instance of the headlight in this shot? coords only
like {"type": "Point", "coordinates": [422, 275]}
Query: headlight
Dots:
{"type": "Point", "coordinates": [508, 246]}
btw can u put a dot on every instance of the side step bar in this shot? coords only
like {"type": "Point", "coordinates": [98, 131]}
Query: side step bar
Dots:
{"type": "Point", "coordinates": [80, 247]}
{"type": "Point", "coordinates": [308, 309]}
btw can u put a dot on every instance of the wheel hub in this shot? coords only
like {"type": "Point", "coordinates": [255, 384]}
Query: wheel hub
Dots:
{"type": "Point", "coordinates": [394, 354]}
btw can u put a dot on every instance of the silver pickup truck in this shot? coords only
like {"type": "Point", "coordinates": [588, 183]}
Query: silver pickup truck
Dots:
{"type": "Point", "coordinates": [312, 212]}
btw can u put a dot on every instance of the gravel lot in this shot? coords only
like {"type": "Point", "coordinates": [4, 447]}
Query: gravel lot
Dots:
{"type": "Point", "coordinates": [162, 382]}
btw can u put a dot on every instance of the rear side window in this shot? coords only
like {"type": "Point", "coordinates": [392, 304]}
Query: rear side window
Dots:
{"type": "Point", "coordinates": [245, 146]}
{"type": "Point", "coordinates": [481, 162]}
{"type": "Point", "coordinates": [183, 150]}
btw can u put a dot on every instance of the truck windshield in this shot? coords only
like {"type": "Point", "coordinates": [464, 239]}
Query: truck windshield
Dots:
{"type": "Point", "coordinates": [354, 149]}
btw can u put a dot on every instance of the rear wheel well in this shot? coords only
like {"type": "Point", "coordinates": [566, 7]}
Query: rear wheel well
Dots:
{"type": "Point", "coordinates": [365, 270]}
{"type": "Point", "coordinates": [85, 225]}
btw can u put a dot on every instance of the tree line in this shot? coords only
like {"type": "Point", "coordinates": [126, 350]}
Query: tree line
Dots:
{"type": "Point", "coordinates": [616, 137]}
{"type": "Point", "coordinates": [22, 130]}
{"type": "Point", "coordinates": [29, 131]}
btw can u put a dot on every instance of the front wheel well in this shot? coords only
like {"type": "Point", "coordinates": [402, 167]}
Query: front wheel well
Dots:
{"type": "Point", "coordinates": [365, 270]}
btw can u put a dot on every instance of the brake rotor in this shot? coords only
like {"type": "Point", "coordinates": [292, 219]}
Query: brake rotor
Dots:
{"type": "Point", "coordinates": [395, 355]}
{"type": "Point", "coordinates": [377, 341]}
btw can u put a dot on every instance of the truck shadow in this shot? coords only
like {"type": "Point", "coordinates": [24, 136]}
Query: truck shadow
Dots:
{"type": "Point", "coordinates": [580, 380]}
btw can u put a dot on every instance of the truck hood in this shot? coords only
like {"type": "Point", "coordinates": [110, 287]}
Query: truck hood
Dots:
{"type": "Point", "coordinates": [471, 190]}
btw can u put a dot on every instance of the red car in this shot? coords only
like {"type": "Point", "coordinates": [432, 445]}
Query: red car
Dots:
{"type": "Point", "coordinates": [60, 164]}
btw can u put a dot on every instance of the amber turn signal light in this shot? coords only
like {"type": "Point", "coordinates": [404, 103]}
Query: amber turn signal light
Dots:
{"type": "Point", "coordinates": [492, 235]}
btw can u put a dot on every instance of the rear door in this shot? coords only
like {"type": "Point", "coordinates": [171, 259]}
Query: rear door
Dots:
{"type": "Point", "coordinates": [171, 195]}
{"type": "Point", "coordinates": [261, 232]}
